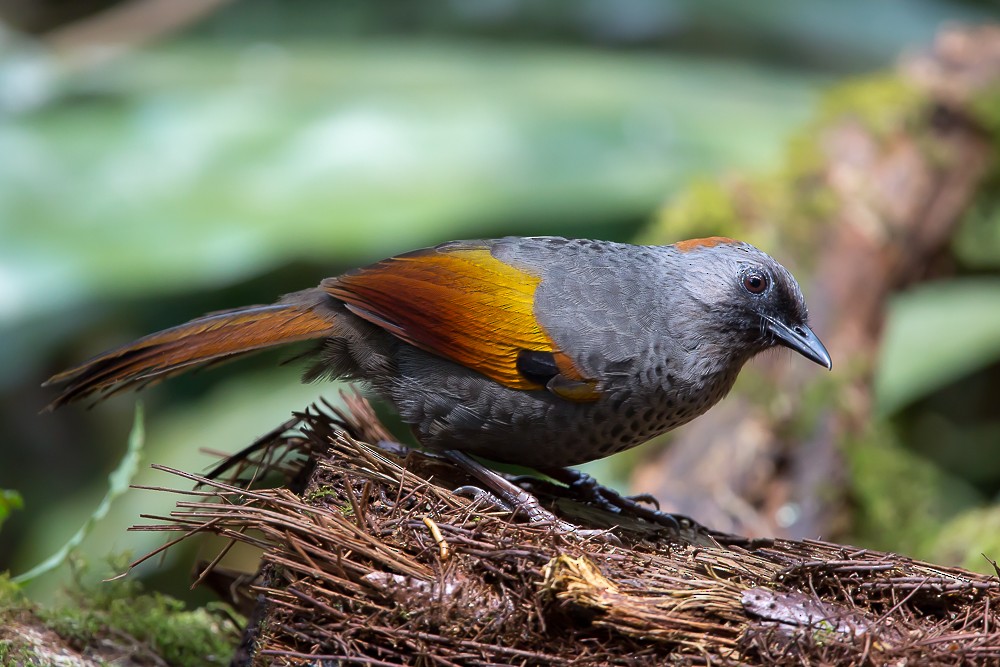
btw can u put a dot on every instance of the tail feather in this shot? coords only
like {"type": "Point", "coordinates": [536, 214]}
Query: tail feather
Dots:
{"type": "Point", "coordinates": [207, 339]}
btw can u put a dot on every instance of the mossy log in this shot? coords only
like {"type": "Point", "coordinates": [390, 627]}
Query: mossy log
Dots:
{"type": "Point", "coordinates": [867, 204]}
{"type": "Point", "coordinates": [376, 561]}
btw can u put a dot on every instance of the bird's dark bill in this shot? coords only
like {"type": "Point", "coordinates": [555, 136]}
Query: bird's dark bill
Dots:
{"type": "Point", "coordinates": [801, 339]}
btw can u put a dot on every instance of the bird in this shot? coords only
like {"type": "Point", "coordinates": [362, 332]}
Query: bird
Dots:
{"type": "Point", "coordinates": [543, 351]}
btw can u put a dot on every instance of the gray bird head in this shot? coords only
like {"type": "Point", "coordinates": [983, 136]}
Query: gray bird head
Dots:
{"type": "Point", "coordinates": [752, 300]}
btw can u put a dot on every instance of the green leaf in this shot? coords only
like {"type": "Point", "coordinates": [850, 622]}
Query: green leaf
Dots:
{"type": "Point", "coordinates": [233, 414]}
{"type": "Point", "coordinates": [935, 335]}
{"type": "Point", "coordinates": [118, 484]}
{"type": "Point", "coordinates": [9, 501]}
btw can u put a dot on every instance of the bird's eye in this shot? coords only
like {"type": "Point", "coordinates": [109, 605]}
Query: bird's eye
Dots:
{"type": "Point", "coordinates": [755, 283]}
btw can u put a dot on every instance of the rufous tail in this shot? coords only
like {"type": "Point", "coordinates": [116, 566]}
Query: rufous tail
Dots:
{"type": "Point", "coordinates": [209, 338]}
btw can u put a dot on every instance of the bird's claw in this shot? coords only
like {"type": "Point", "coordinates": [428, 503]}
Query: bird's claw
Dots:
{"type": "Point", "coordinates": [611, 501]}
{"type": "Point", "coordinates": [505, 495]}
{"type": "Point", "coordinates": [478, 494]}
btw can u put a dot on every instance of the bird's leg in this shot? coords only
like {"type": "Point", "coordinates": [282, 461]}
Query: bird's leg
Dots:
{"type": "Point", "coordinates": [511, 496]}
{"type": "Point", "coordinates": [612, 501]}
{"type": "Point", "coordinates": [500, 492]}
{"type": "Point", "coordinates": [473, 492]}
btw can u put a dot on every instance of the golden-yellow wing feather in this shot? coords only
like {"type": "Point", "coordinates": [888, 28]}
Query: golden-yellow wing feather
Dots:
{"type": "Point", "coordinates": [458, 302]}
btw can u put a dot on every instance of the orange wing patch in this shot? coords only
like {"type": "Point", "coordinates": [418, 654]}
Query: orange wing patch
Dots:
{"type": "Point", "coordinates": [460, 303]}
{"type": "Point", "coordinates": [709, 242]}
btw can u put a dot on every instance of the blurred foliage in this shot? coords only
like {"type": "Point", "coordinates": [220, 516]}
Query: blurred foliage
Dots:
{"type": "Point", "coordinates": [265, 149]}
{"type": "Point", "coordinates": [971, 539]}
{"type": "Point", "coordinates": [247, 158]}
{"type": "Point", "coordinates": [977, 245]}
{"type": "Point", "coordinates": [843, 36]}
{"type": "Point", "coordinates": [972, 340]}
{"type": "Point", "coordinates": [9, 502]}
{"type": "Point", "coordinates": [902, 499]}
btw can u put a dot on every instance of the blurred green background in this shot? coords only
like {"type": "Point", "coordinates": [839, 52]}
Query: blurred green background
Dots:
{"type": "Point", "coordinates": [156, 168]}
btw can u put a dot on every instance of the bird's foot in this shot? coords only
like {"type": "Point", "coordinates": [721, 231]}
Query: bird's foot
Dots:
{"type": "Point", "coordinates": [588, 488]}
{"type": "Point", "coordinates": [512, 498]}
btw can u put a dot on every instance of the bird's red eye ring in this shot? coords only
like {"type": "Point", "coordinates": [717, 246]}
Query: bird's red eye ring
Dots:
{"type": "Point", "coordinates": [755, 283]}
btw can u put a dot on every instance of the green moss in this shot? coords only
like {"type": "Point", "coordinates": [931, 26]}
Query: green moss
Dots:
{"type": "Point", "coordinates": [798, 197]}
{"type": "Point", "coordinates": [119, 618]}
{"type": "Point", "coordinates": [155, 624]}
{"type": "Point", "coordinates": [782, 209]}
{"type": "Point", "coordinates": [824, 632]}
{"type": "Point", "coordinates": [13, 607]}
{"type": "Point", "coordinates": [884, 104]}
{"type": "Point", "coordinates": [322, 493]}
{"type": "Point", "coordinates": [704, 209]}
{"type": "Point", "coordinates": [11, 597]}
{"type": "Point", "coordinates": [21, 656]}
